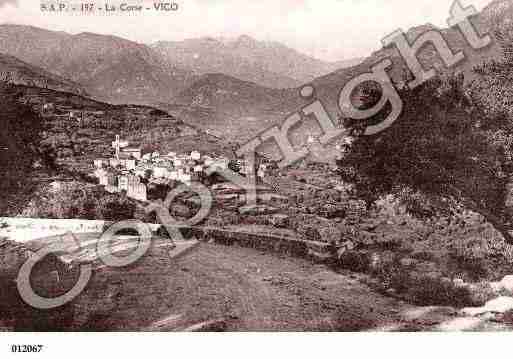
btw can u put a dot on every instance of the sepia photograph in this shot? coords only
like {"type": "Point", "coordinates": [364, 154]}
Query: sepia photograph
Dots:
{"type": "Point", "coordinates": [238, 166]}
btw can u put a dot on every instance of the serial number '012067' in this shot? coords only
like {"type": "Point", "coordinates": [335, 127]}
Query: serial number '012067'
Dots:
{"type": "Point", "coordinates": [26, 348]}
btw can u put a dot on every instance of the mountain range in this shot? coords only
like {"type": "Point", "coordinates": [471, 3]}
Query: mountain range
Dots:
{"type": "Point", "coordinates": [223, 104]}
{"type": "Point", "coordinates": [117, 70]}
{"type": "Point", "coordinates": [495, 19]}
{"type": "Point", "coordinates": [266, 63]}
{"type": "Point", "coordinates": [108, 67]}
{"type": "Point", "coordinates": [235, 87]}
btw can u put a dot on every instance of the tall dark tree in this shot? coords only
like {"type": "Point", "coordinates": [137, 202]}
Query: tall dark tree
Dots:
{"type": "Point", "coordinates": [449, 146]}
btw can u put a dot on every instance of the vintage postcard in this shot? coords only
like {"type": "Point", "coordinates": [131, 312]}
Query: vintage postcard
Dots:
{"type": "Point", "coordinates": [255, 166]}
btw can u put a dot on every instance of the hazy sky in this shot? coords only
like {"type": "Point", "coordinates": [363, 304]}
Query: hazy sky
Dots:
{"type": "Point", "coordinates": [327, 29]}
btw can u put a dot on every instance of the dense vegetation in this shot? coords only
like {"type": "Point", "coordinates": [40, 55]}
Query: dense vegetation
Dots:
{"type": "Point", "coordinates": [20, 147]}
{"type": "Point", "coordinates": [81, 201]}
{"type": "Point", "coordinates": [449, 151]}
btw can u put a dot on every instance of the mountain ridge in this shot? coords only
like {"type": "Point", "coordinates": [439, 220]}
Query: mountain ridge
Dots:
{"type": "Point", "coordinates": [97, 61]}
{"type": "Point", "coordinates": [17, 72]}
{"type": "Point", "coordinates": [328, 87]}
{"type": "Point", "coordinates": [86, 57]}
{"type": "Point", "coordinates": [266, 63]}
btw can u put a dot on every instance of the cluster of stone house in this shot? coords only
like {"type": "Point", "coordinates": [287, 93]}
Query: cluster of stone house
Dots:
{"type": "Point", "coordinates": [129, 166]}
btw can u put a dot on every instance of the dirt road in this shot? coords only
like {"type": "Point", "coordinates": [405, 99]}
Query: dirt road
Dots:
{"type": "Point", "coordinates": [238, 289]}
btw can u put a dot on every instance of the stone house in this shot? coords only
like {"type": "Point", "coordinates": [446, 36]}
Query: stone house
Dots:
{"type": "Point", "coordinates": [123, 183]}
{"type": "Point", "coordinates": [138, 191]}
{"type": "Point", "coordinates": [132, 152]}
{"type": "Point", "coordinates": [107, 178]}
{"type": "Point", "coordinates": [195, 155]}
{"type": "Point", "coordinates": [101, 162]}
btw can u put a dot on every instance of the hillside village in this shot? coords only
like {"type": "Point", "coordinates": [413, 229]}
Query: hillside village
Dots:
{"type": "Point", "coordinates": [306, 210]}
{"type": "Point", "coordinates": [129, 166]}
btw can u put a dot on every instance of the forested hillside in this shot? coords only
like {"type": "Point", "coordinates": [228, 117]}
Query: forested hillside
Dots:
{"type": "Point", "coordinates": [20, 149]}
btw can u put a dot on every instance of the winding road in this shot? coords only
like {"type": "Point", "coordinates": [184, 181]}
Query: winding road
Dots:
{"type": "Point", "coordinates": [231, 288]}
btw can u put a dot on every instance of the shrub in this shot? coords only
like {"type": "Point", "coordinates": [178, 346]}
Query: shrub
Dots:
{"type": "Point", "coordinates": [355, 261]}
{"type": "Point", "coordinates": [73, 200]}
{"type": "Point", "coordinates": [392, 275]}
{"type": "Point", "coordinates": [468, 257]}
{"type": "Point", "coordinates": [435, 291]}
{"type": "Point", "coordinates": [115, 208]}
{"type": "Point", "coordinates": [423, 255]}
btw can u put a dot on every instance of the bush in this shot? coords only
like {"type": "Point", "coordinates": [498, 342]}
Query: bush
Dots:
{"type": "Point", "coordinates": [468, 256]}
{"type": "Point", "coordinates": [356, 261]}
{"type": "Point", "coordinates": [424, 255]}
{"type": "Point", "coordinates": [411, 281]}
{"type": "Point", "coordinates": [435, 291]}
{"type": "Point", "coordinates": [424, 290]}
{"type": "Point", "coordinates": [392, 274]}
{"type": "Point", "coordinates": [115, 208]}
{"type": "Point", "coordinates": [71, 201]}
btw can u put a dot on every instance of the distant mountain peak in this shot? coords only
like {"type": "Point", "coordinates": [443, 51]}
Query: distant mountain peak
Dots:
{"type": "Point", "coordinates": [210, 39]}
{"type": "Point", "coordinates": [245, 40]}
{"type": "Point", "coordinates": [266, 63]}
